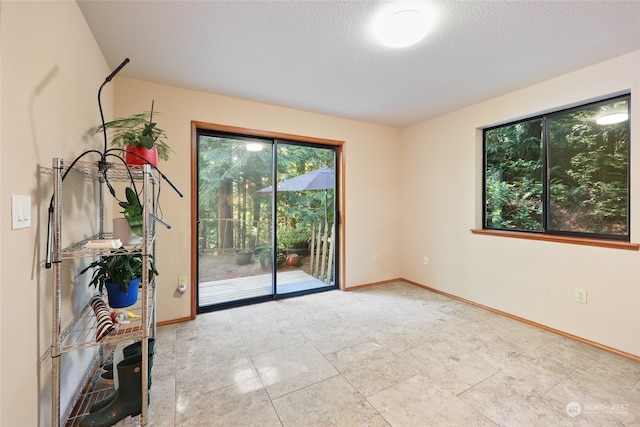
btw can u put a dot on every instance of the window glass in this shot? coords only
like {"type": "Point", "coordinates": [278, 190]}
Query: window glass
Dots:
{"type": "Point", "coordinates": [562, 173]}
{"type": "Point", "coordinates": [513, 176]}
{"type": "Point", "coordinates": [588, 177]}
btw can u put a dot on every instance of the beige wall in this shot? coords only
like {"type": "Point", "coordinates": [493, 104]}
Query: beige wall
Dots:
{"type": "Point", "coordinates": [441, 201]}
{"type": "Point", "coordinates": [372, 178]}
{"type": "Point", "coordinates": [409, 193]}
{"type": "Point", "coordinates": [51, 69]}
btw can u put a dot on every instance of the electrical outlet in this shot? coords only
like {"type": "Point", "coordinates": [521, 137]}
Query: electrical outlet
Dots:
{"type": "Point", "coordinates": [425, 260]}
{"type": "Point", "coordinates": [182, 284]}
{"type": "Point", "coordinates": [375, 257]}
{"type": "Point", "coordinates": [581, 296]}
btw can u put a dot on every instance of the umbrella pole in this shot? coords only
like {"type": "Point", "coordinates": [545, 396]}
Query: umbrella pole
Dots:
{"type": "Point", "coordinates": [325, 206]}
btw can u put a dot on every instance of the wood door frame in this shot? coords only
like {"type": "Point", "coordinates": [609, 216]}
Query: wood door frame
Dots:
{"type": "Point", "coordinates": [340, 177]}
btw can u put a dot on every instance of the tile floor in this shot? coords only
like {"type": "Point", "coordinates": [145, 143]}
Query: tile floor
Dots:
{"type": "Point", "coordinates": [390, 355]}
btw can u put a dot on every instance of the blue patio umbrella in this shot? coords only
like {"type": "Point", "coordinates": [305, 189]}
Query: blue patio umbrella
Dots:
{"type": "Point", "coordinates": [322, 178]}
{"type": "Point", "coordinates": [319, 179]}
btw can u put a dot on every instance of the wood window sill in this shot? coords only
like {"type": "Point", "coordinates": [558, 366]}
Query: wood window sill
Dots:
{"type": "Point", "coordinates": [613, 244]}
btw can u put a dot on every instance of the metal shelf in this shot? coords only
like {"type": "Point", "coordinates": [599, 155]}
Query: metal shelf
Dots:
{"type": "Point", "coordinates": [80, 333]}
{"type": "Point", "coordinates": [78, 250]}
{"type": "Point", "coordinates": [96, 171]}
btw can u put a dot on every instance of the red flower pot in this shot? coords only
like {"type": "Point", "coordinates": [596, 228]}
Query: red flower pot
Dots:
{"type": "Point", "coordinates": [138, 155]}
{"type": "Point", "coordinates": [293, 260]}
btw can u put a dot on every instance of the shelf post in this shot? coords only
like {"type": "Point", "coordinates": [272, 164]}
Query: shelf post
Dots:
{"type": "Point", "coordinates": [146, 240]}
{"type": "Point", "coordinates": [57, 292]}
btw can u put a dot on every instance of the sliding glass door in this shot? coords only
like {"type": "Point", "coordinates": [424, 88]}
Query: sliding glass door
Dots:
{"type": "Point", "coordinates": [234, 226]}
{"type": "Point", "coordinates": [304, 218]}
{"type": "Point", "coordinates": [257, 242]}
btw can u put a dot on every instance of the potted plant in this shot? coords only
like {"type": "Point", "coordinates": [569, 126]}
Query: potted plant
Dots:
{"type": "Point", "coordinates": [264, 257]}
{"type": "Point", "coordinates": [133, 211]}
{"type": "Point", "coordinates": [140, 137]}
{"type": "Point", "coordinates": [120, 273]}
{"type": "Point", "coordinates": [295, 240]}
{"type": "Point", "coordinates": [243, 256]}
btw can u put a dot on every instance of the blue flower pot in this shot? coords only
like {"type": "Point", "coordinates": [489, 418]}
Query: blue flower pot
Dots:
{"type": "Point", "coordinates": [119, 299]}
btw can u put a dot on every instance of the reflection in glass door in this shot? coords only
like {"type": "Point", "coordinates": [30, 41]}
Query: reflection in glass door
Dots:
{"type": "Point", "coordinates": [234, 226]}
{"type": "Point", "coordinates": [244, 255]}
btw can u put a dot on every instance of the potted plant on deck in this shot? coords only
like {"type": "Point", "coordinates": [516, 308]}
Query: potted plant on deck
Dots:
{"type": "Point", "coordinates": [243, 256]}
{"type": "Point", "coordinates": [294, 240]}
{"type": "Point", "coordinates": [264, 257]}
{"type": "Point", "coordinates": [120, 273]}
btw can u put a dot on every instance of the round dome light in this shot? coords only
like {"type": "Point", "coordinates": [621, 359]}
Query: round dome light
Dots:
{"type": "Point", "coordinates": [401, 27]}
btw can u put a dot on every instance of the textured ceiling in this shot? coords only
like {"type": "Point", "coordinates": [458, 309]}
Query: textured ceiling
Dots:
{"type": "Point", "coordinates": [319, 56]}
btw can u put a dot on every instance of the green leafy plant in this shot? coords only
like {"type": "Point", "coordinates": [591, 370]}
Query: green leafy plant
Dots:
{"type": "Point", "coordinates": [120, 267]}
{"type": "Point", "coordinates": [133, 211]}
{"type": "Point", "coordinates": [263, 253]}
{"type": "Point", "coordinates": [264, 256]}
{"type": "Point", "coordinates": [138, 130]}
{"type": "Point", "coordinates": [290, 237]}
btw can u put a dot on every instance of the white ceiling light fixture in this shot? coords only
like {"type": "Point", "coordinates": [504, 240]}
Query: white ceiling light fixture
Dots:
{"type": "Point", "coordinates": [612, 119]}
{"type": "Point", "coordinates": [402, 24]}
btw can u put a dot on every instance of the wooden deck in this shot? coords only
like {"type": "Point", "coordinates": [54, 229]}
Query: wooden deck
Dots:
{"type": "Point", "coordinates": [235, 289]}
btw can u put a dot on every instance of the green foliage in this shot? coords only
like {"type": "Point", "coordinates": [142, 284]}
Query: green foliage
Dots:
{"type": "Point", "coordinates": [514, 176]}
{"type": "Point", "coordinates": [133, 212]}
{"type": "Point", "coordinates": [515, 206]}
{"type": "Point", "coordinates": [591, 162]}
{"type": "Point", "coordinates": [587, 163]}
{"type": "Point", "coordinates": [137, 130]}
{"type": "Point", "coordinates": [289, 237]}
{"type": "Point", "coordinates": [120, 267]}
{"type": "Point", "coordinates": [230, 177]}
{"type": "Point", "coordinates": [263, 253]}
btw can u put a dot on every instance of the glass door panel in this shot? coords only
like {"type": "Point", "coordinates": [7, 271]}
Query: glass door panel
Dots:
{"type": "Point", "coordinates": [234, 219]}
{"type": "Point", "coordinates": [305, 208]}
{"type": "Point", "coordinates": [244, 255]}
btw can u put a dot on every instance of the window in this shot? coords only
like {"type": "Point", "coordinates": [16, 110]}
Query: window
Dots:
{"type": "Point", "coordinates": [563, 173]}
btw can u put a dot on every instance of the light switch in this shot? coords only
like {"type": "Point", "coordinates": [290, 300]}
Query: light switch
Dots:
{"type": "Point", "coordinates": [20, 212]}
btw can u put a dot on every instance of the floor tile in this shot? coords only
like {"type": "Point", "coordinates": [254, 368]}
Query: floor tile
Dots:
{"type": "Point", "coordinates": [331, 402]}
{"type": "Point", "coordinates": [512, 402]}
{"type": "Point", "coordinates": [243, 404]}
{"type": "Point", "coordinates": [419, 402]}
{"type": "Point", "coordinates": [332, 335]}
{"type": "Point", "coordinates": [265, 337]}
{"type": "Point", "coordinates": [371, 367]}
{"type": "Point", "coordinates": [600, 399]}
{"type": "Point", "coordinates": [292, 368]}
{"type": "Point", "coordinates": [454, 364]}
{"type": "Point", "coordinates": [399, 336]}
{"type": "Point", "coordinates": [389, 355]}
{"type": "Point", "coordinates": [207, 373]}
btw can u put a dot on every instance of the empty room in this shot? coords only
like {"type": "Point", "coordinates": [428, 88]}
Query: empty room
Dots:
{"type": "Point", "coordinates": [319, 213]}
